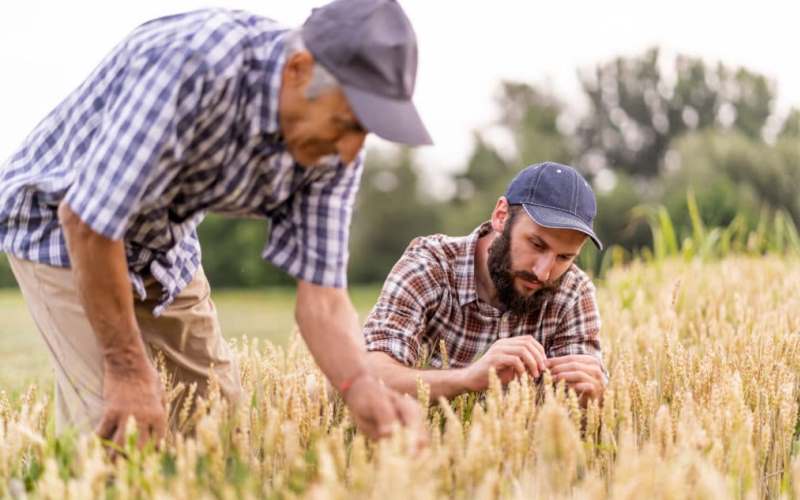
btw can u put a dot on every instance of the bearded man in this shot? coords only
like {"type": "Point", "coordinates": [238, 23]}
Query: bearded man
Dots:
{"type": "Point", "coordinates": [507, 297]}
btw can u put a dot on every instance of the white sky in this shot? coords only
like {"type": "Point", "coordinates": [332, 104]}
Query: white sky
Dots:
{"type": "Point", "coordinates": [466, 48]}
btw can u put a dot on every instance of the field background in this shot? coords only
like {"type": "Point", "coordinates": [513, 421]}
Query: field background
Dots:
{"type": "Point", "coordinates": [267, 315]}
{"type": "Point", "coordinates": [696, 169]}
{"type": "Point", "coordinates": [703, 358]}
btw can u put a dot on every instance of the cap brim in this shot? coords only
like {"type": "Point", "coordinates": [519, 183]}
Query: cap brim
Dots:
{"type": "Point", "coordinates": [393, 119]}
{"type": "Point", "coordinates": [558, 219]}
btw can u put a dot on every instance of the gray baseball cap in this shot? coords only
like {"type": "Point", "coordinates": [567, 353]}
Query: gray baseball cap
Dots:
{"type": "Point", "coordinates": [556, 196]}
{"type": "Point", "coordinates": [371, 49]}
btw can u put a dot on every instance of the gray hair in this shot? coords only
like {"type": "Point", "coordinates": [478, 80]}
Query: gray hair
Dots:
{"type": "Point", "coordinates": [321, 80]}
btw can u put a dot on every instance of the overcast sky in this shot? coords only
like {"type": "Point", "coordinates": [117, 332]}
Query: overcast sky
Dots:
{"type": "Point", "coordinates": [466, 48]}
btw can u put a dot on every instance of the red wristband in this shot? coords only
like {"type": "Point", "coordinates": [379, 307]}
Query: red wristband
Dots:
{"type": "Point", "coordinates": [344, 386]}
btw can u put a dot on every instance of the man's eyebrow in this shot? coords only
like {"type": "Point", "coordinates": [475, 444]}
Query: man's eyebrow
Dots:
{"type": "Point", "coordinates": [539, 241]}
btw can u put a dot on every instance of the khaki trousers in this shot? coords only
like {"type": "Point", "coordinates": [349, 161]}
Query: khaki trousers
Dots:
{"type": "Point", "coordinates": [187, 333]}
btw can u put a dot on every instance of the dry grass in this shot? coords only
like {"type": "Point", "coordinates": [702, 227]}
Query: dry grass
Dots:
{"type": "Point", "coordinates": [703, 403]}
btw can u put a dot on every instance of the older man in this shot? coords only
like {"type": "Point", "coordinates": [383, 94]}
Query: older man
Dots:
{"type": "Point", "coordinates": [213, 110]}
{"type": "Point", "coordinates": [507, 297]}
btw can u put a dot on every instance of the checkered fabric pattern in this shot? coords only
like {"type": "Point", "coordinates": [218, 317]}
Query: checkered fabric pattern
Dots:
{"type": "Point", "coordinates": [180, 119]}
{"type": "Point", "coordinates": [430, 297]}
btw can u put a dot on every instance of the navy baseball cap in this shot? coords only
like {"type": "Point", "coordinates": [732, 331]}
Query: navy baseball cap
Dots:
{"type": "Point", "coordinates": [555, 196]}
{"type": "Point", "coordinates": [371, 49]}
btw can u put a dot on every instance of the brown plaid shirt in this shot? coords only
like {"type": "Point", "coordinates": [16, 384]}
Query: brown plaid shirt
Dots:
{"type": "Point", "coordinates": [430, 295]}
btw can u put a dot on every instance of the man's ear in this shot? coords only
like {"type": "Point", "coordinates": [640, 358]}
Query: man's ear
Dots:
{"type": "Point", "coordinates": [298, 69]}
{"type": "Point", "coordinates": [500, 214]}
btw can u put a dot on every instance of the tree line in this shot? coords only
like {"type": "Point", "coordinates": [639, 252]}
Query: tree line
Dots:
{"type": "Point", "coordinates": [654, 129]}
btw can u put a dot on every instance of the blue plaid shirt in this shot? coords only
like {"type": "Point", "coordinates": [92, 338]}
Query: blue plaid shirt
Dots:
{"type": "Point", "coordinates": [180, 119]}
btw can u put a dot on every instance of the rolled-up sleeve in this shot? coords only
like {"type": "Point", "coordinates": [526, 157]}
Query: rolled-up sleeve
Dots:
{"type": "Point", "coordinates": [140, 125]}
{"type": "Point", "coordinates": [309, 237]}
{"type": "Point", "coordinates": [396, 325]}
{"type": "Point", "coordinates": [578, 331]}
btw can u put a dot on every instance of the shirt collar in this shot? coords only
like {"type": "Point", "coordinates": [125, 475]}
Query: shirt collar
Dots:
{"type": "Point", "coordinates": [268, 85]}
{"type": "Point", "coordinates": [466, 283]}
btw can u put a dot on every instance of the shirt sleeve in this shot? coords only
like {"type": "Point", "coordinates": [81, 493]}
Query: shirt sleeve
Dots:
{"type": "Point", "coordinates": [578, 331]}
{"type": "Point", "coordinates": [143, 118]}
{"type": "Point", "coordinates": [396, 325]}
{"type": "Point", "coordinates": [309, 237]}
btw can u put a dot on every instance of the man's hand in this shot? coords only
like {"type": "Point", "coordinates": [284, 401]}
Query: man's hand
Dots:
{"type": "Point", "coordinates": [510, 357]}
{"type": "Point", "coordinates": [131, 387]}
{"type": "Point", "coordinates": [130, 383]}
{"type": "Point", "coordinates": [329, 325]}
{"type": "Point", "coordinates": [582, 373]}
{"type": "Point", "coordinates": [376, 409]}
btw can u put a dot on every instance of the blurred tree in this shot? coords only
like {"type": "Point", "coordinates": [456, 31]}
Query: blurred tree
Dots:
{"type": "Point", "coordinates": [615, 223]}
{"type": "Point", "coordinates": [732, 174]}
{"type": "Point", "coordinates": [232, 253]}
{"type": "Point", "coordinates": [6, 277]}
{"type": "Point", "coordinates": [389, 213]}
{"type": "Point", "coordinates": [654, 129]}
{"type": "Point", "coordinates": [530, 118]}
{"type": "Point", "coordinates": [791, 127]}
{"type": "Point", "coordinates": [636, 110]}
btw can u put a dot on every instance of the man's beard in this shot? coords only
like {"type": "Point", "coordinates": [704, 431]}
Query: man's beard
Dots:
{"type": "Point", "coordinates": [503, 275]}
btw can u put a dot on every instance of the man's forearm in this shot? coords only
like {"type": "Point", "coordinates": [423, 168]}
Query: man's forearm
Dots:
{"type": "Point", "coordinates": [443, 383]}
{"type": "Point", "coordinates": [100, 270]}
{"type": "Point", "coordinates": [330, 327]}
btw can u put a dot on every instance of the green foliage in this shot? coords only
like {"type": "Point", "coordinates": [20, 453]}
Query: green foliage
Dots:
{"type": "Point", "coordinates": [232, 253]}
{"type": "Point", "coordinates": [635, 112]}
{"type": "Point", "coordinates": [774, 233]}
{"type": "Point", "coordinates": [530, 117]}
{"type": "Point", "coordinates": [6, 276]}
{"type": "Point", "coordinates": [655, 130]}
{"type": "Point", "coordinates": [791, 126]}
{"type": "Point", "coordinates": [389, 213]}
{"type": "Point", "coordinates": [615, 222]}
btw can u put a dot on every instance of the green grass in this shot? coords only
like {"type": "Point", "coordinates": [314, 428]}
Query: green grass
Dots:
{"type": "Point", "coordinates": [264, 314]}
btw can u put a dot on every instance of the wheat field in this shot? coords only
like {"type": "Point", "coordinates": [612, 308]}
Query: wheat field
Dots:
{"type": "Point", "coordinates": [702, 402]}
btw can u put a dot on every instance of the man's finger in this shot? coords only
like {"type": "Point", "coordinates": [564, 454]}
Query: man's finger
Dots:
{"type": "Point", "coordinates": [368, 427]}
{"type": "Point", "coordinates": [159, 429]}
{"type": "Point", "coordinates": [145, 434]}
{"type": "Point", "coordinates": [411, 415]}
{"type": "Point", "coordinates": [409, 412]}
{"type": "Point", "coordinates": [529, 358]}
{"type": "Point", "coordinates": [541, 360]}
{"type": "Point", "coordinates": [574, 377]}
{"type": "Point", "coordinates": [536, 350]}
{"type": "Point", "coordinates": [592, 370]}
{"type": "Point", "coordinates": [530, 341]}
{"type": "Point", "coordinates": [513, 361]}
{"type": "Point", "coordinates": [384, 414]}
{"type": "Point", "coordinates": [119, 435]}
{"type": "Point", "coordinates": [107, 427]}
{"type": "Point", "coordinates": [572, 358]}
{"type": "Point", "coordinates": [539, 347]}
{"type": "Point", "coordinates": [571, 366]}
{"type": "Point", "coordinates": [528, 344]}
{"type": "Point", "coordinates": [582, 388]}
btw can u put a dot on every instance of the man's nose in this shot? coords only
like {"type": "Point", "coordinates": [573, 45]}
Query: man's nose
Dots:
{"type": "Point", "coordinates": [544, 266]}
{"type": "Point", "coordinates": [349, 146]}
